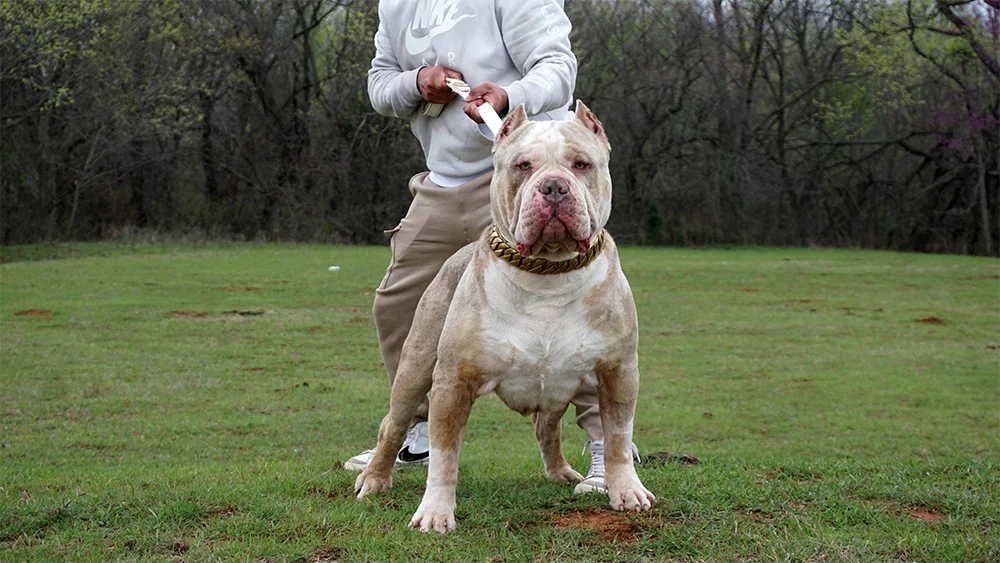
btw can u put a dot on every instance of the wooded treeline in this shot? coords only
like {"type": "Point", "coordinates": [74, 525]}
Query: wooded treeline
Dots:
{"type": "Point", "coordinates": [842, 122]}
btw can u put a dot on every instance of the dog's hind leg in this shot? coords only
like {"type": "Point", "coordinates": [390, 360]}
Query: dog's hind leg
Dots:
{"type": "Point", "coordinates": [548, 432]}
{"type": "Point", "coordinates": [414, 375]}
{"type": "Point", "coordinates": [413, 381]}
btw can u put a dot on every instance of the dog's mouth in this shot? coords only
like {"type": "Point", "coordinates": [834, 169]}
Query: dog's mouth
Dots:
{"type": "Point", "coordinates": [554, 237]}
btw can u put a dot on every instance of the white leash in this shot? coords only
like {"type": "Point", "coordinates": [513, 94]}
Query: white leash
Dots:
{"type": "Point", "coordinates": [486, 111]}
{"type": "Point", "coordinates": [461, 88]}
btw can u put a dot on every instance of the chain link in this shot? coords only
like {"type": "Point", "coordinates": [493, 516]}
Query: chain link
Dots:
{"type": "Point", "coordinates": [540, 265]}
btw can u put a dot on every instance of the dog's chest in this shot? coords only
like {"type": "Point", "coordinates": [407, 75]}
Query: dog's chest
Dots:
{"type": "Point", "coordinates": [538, 348]}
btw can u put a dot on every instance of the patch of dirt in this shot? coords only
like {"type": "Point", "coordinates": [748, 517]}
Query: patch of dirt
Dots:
{"type": "Point", "coordinates": [238, 288]}
{"type": "Point", "coordinates": [316, 328]}
{"type": "Point", "coordinates": [922, 513]}
{"type": "Point", "coordinates": [247, 313]}
{"type": "Point", "coordinates": [223, 511]}
{"type": "Point", "coordinates": [359, 320]}
{"type": "Point", "coordinates": [992, 347]}
{"type": "Point", "coordinates": [188, 314]}
{"type": "Point", "coordinates": [325, 556]}
{"type": "Point", "coordinates": [802, 300]}
{"type": "Point", "coordinates": [748, 290]}
{"type": "Point", "coordinates": [756, 515]}
{"type": "Point", "coordinates": [931, 321]}
{"type": "Point", "coordinates": [927, 515]}
{"type": "Point", "coordinates": [332, 495]}
{"type": "Point", "coordinates": [801, 380]}
{"type": "Point", "coordinates": [179, 547]}
{"type": "Point", "coordinates": [33, 312]}
{"type": "Point", "coordinates": [93, 447]}
{"type": "Point", "coordinates": [609, 526]}
{"type": "Point", "coordinates": [659, 459]}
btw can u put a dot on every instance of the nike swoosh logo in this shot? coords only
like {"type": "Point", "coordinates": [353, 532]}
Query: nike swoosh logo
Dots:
{"type": "Point", "coordinates": [406, 456]}
{"type": "Point", "coordinates": [417, 45]}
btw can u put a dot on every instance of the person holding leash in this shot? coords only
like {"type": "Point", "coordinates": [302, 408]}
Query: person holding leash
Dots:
{"type": "Point", "coordinates": [512, 52]}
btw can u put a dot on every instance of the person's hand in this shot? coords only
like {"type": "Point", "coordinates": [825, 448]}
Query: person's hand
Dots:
{"type": "Point", "coordinates": [432, 85]}
{"type": "Point", "coordinates": [487, 92]}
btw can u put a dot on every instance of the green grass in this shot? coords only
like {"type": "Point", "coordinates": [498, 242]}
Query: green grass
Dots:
{"type": "Point", "coordinates": [830, 425]}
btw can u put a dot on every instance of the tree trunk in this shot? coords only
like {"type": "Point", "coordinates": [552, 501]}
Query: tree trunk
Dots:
{"type": "Point", "coordinates": [985, 232]}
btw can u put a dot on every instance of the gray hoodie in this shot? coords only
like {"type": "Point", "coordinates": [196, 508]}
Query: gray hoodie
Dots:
{"type": "Point", "coordinates": [521, 45]}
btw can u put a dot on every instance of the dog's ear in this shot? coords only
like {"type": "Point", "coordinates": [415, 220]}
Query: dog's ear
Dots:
{"type": "Point", "coordinates": [517, 118]}
{"type": "Point", "coordinates": [590, 121]}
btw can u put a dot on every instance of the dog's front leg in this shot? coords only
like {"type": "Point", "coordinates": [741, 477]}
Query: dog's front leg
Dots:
{"type": "Point", "coordinates": [617, 390]}
{"type": "Point", "coordinates": [548, 432]}
{"type": "Point", "coordinates": [451, 402]}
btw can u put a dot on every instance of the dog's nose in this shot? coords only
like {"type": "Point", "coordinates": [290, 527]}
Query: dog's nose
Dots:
{"type": "Point", "coordinates": [553, 189]}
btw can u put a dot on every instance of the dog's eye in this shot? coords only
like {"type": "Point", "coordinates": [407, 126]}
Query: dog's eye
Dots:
{"type": "Point", "coordinates": [524, 165]}
{"type": "Point", "coordinates": [581, 165]}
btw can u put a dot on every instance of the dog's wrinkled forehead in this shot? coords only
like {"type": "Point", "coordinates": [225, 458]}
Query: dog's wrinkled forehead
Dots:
{"type": "Point", "coordinates": [582, 132]}
{"type": "Point", "coordinates": [538, 141]}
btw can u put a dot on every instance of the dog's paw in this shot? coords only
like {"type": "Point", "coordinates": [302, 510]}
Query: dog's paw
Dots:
{"type": "Point", "coordinates": [367, 483]}
{"type": "Point", "coordinates": [633, 497]}
{"type": "Point", "coordinates": [433, 516]}
{"type": "Point", "coordinates": [565, 475]}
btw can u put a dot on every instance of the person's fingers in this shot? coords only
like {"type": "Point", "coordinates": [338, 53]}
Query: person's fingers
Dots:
{"type": "Point", "coordinates": [481, 90]}
{"type": "Point", "coordinates": [439, 77]}
{"type": "Point", "coordinates": [472, 110]}
{"type": "Point", "coordinates": [452, 73]}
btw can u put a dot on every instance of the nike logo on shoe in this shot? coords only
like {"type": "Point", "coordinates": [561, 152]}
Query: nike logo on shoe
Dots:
{"type": "Point", "coordinates": [406, 456]}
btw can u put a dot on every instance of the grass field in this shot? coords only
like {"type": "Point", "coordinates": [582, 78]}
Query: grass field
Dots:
{"type": "Point", "coordinates": [193, 403]}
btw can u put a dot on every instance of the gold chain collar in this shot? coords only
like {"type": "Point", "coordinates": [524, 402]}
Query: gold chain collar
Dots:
{"type": "Point", "coordinates": [540, 265]}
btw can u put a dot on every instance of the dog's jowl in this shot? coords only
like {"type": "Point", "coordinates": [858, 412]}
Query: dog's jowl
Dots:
{"type": "Point", "coordinates": [531, 311]}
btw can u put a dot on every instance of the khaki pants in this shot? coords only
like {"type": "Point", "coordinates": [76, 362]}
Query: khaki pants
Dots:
{"type": "Point", "coordinates": [438, 223]}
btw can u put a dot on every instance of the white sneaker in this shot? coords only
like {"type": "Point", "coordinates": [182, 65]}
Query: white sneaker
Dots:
{"type": "Point", "coordinates": [594, 482]}
{"type": "Point", "coordinates": [416, 450]}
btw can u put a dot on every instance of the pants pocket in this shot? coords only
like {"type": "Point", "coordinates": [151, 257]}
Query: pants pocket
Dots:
{"type": "Point", "coordinates": [391, 235]}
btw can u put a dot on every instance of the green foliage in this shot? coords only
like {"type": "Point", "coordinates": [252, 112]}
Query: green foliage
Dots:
{"type": "Point", "coordinates": [45, 41]}
{"type": "Point", "coordinates": [884, 73]}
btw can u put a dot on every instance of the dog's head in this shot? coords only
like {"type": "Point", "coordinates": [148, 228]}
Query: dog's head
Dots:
{"type": "Point", "coordinates": [551, 191]}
